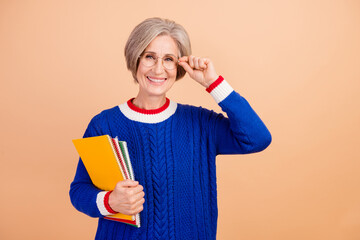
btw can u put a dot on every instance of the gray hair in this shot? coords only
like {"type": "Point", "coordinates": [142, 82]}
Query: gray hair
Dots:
{"type": "Point", "coordinates": [148, 30]}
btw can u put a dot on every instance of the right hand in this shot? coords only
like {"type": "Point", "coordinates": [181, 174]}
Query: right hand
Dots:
{"type": "Point", "coordinates": [127, 197]}
{"type": "Point", "coordinates": [200, 69]}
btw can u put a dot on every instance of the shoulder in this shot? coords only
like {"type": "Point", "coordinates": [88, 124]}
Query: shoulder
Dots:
{"type": "Point", "coordinates": [100, 122]}
{"type": "Point", "coordinates": [105, 114]}
{"type": "Point", "coordinates": [187, 108]}
{"type": "Point", "coordinates": [197, 111]}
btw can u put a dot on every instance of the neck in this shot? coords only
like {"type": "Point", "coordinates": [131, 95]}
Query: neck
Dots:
{"type": "Point", "coordinates": [149, 102]}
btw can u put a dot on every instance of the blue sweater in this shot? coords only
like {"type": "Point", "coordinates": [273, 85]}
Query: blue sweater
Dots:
{"type": "Point", "coordinates": [173, 152]}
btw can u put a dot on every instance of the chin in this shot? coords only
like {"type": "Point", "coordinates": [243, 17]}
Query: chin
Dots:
{"type": "Point", "coordinates": [156, 92]}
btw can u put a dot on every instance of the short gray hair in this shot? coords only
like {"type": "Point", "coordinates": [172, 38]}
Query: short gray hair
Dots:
{"type": "Point", "coordinates": [148, 30]}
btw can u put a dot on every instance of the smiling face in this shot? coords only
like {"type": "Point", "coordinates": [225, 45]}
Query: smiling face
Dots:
{"type": "Point", "coordinates": [157, 80]}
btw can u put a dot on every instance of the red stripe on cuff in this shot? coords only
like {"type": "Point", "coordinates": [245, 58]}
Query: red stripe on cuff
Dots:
{"type": "Point", "coordinates": [106, 203]}
{"type": "Point", "coordinates": [215, 84]}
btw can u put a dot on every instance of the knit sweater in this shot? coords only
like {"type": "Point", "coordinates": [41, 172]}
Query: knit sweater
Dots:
{"type": "Point", "coordinates": [172, 150]}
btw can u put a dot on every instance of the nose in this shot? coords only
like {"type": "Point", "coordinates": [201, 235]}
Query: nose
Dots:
{"type": "Point", "coordinates": [158, 67]}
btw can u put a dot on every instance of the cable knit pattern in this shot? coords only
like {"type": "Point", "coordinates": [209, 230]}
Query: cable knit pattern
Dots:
{"type": "Point", "coordinates": [174, 160]}
{"type": "Point", "coordinates": [170, 180]}
{"type": "Point", "coordinates": [160, 183]}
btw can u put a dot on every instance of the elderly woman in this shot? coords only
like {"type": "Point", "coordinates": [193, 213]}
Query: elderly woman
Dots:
{"type": "Point", "coordinates": [172, 146]}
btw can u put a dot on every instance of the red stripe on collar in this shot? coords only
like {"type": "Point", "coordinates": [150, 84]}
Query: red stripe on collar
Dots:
{"type": "Point", "coordinates": [151, 111]}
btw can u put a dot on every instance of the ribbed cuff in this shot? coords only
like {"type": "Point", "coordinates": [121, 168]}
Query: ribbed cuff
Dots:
{"type": "Point", "coordinates": [220, 89]}
{"type": "Point", "coordinates": [107, 205]}
{"type": "Point", "coordinates": [100, 202]}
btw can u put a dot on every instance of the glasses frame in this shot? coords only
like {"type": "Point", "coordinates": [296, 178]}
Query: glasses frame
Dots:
{"type": "Point", "coordinates": [162, 60]}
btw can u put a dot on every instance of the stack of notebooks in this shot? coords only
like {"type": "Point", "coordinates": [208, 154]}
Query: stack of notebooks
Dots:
{"type": "Point", "coordinates": [107, 161]}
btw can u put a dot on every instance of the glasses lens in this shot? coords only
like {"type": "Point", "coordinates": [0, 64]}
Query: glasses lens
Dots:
{"type": "Point", "coordinates": [169, 62]}
{"type": "Point", "coordinates": [149, 60]}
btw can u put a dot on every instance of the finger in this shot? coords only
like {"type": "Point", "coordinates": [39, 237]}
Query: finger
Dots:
{"type": "Point", "coordinates": [138, 210]}
{"type": "Point", "coordinates": [133, 203]}
{"type": "Point", "coordinates": [202, 63]}
{"type": "Point", "coordinates": [191, 61]}
{"type": "Point", "coordinates": [187, 67]}
{"type": "Point", "coordinates": [139, 195]}
{"type": "Point", "coordinates": [135, 200]}
{"type": "Point", "coordinates": [131, 193]}
{"type": "Point", "coordinates": [196, 62]}
{"type": "Point", "coordinates": [134, 207]}
{"type": "Point", "coordinates": [140, 203]}
{"type": "Point", "coordinates": [207, 62]}
{"type": "Point", "coordinates": [136, 190]}
{"type": "Point", "coordinates": [184, 59]}
{"type": "Point", "coordinates": [128, 183]}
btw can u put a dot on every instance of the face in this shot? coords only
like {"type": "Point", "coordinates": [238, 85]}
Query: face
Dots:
{"type": "Point", "coordinates": [157, 80]}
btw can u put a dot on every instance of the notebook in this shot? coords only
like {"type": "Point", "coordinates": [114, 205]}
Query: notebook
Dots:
{"type": "Point", "coordinates": [107, 162]}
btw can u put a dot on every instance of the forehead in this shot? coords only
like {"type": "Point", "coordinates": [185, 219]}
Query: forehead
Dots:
{"type": "Point", "coordinates": [163, 45]}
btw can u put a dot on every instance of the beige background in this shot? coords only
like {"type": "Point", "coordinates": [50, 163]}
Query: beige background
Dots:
{"type": "Point", "coordinates": [297, 62]}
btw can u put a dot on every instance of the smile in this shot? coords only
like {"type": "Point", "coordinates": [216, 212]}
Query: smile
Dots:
{"type": "Point", "coordinates": [156, 80]}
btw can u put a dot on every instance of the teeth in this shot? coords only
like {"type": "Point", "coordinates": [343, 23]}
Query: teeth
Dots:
{"type": "Point", "coordinates": [156, 80]}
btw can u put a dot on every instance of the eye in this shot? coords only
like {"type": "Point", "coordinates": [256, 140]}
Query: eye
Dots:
{"type": "Point", "coordinates": [169, 59]}
{"type": "Point", "coordinates": [149, 56]}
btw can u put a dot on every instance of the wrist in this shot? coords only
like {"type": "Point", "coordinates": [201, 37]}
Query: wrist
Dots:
{"type": "Point", "coordinates": [107, 203]}
{"type": "Point", "coordinates": [214, 84]}
{"type": "Point", "coordinates": [220, 89]}
{"type": "Point", "coordinates": [208, 83]}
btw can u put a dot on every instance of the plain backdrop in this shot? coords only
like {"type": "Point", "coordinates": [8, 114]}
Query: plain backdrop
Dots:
{"type": "Point", "coordinates": [297, 63]}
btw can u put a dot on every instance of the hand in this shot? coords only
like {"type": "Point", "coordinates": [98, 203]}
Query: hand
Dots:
{"type": "Point", "coordinates": [201, 70]}
{"type": "Point", "coordinates": [127, 197]}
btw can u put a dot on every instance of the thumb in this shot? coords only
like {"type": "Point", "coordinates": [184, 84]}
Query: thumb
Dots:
{"type": "Point", "coordinates": [128, 183]}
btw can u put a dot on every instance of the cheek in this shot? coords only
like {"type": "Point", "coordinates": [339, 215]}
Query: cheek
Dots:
{"type": "Point", "coordinates": [140, 72]}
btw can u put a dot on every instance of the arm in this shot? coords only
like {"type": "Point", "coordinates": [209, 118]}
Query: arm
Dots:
{"type": "Point", "coordinates": [243, 131]}
{"type": "Point", "coordinates": [127, 197]}
{"type": "Point", "coordinates": [84, 196]}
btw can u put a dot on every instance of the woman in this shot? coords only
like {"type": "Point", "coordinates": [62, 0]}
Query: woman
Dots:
{"type": "Point", "coordinates": [172, 146]}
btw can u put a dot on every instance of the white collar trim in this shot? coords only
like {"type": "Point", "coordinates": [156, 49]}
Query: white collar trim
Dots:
{"type": "Point", "coordinates": [148, 118]}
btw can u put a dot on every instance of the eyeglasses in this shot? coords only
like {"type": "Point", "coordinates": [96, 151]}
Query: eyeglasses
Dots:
{"type": "Point", "coordinates": [149, 59]}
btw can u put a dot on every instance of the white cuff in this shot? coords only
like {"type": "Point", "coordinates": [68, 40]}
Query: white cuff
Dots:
{"type": "Point", "coordinates": [221, 91]}
{"type": "Point", "coordinates": [101, 204]}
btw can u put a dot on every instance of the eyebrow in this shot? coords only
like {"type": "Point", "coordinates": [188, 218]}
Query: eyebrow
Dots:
{"type": "Point", "coordinates": [168, 54]}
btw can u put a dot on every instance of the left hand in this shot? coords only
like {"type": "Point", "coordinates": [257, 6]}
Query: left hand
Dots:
{"type": "Point", "coordinates": [201, 70]}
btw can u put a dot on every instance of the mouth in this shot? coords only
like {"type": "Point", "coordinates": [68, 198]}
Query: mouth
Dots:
{"type": "Point", "coordinates": [156, 80]}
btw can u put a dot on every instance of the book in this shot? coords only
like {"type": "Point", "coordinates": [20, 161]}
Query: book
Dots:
{"type": "Point", "coordinates": [107, 162]}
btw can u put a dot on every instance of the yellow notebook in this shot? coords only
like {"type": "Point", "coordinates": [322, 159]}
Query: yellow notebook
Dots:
{"type": "Point", "coordinates": [102, 164]}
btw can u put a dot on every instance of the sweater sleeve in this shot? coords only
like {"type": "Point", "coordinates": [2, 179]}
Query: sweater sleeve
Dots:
{"type": "Point", "coordinates": [243, 131]}
{"type": "Point", "coordinates": [84, 196]}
